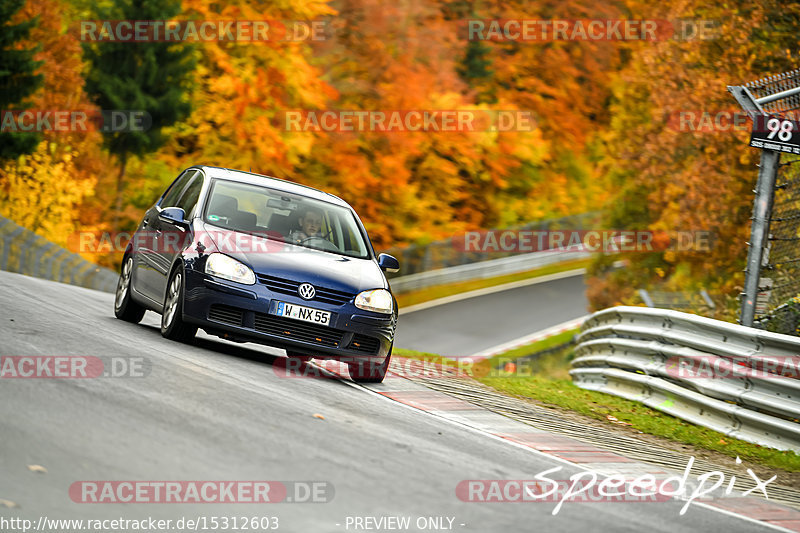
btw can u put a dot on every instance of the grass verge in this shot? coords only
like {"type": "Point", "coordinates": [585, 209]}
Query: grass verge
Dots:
{"type": "Point", "coordinates": [549, 384]}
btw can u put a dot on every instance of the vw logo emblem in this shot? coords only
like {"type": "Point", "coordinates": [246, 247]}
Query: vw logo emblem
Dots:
{"type": "Point", "coordinates": [306, 291]}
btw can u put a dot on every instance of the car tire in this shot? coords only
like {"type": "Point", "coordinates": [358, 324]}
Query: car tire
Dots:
{"type": "Point", "coordinates": [172, 325]}
{"type": "Point", "coordinates": [124, 306]}
{"type": "Point", "coordinates": [300, 356]}
{"type": "Point", "coordinates": [369, 372]}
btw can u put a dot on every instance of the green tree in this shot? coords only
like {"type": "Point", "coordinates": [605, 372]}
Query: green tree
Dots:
{"type": "Point", "coordinates": [18, 79]}
{"type": "Point", "coordinates": [153, 77]}
{"type": "Point", "coordinates": [475, 69]}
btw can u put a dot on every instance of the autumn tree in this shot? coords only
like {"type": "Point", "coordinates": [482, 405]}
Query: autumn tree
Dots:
{"type": "Point", "coordinates": [243, 88]}
{"type": "Point", "coordinates": [673, 175]}
{"type": "Point", "coordinates": [418, 185]}
{"type": "Point", "coordinates": [48, 190]}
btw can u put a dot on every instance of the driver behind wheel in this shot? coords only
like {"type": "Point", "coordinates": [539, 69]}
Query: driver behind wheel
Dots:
{"type": "Point", "coordinates": [310, 225]}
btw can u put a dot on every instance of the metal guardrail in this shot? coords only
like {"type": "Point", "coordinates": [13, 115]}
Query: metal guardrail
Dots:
{"type": "Point", "coordinates": [715, 374]}
{"type": "Point", "coordinates": [483, 269]}
{"type": "Point", "coordinates": [25, 252]}
{"type": "Point", "coordinates": [443, 254]}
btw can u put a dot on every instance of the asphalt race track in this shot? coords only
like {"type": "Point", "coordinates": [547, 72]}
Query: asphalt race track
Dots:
{"type": "Point", "coordinates": [466, 327]}
{"type": "Point", "coordinates": [220, 411]}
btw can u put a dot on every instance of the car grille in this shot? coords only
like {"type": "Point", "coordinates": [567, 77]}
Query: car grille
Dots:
{"type": "Point", "coordinates": [226, 314]}
{"type": "Point", "coordinates": [294, 329]}
{"type": "Point", "coordinates": [364, 344]}
{"type": "Point", "coordinates": [301, 331]}
{"type": "Point", "coordinates": [287, 286]}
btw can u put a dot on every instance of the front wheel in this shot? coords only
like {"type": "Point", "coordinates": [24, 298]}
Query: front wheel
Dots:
{"type": "Point", "coordinates": [124, 307]}
{"type": "Point", "coordinates": [369, 372]}
{"type": "Point", "coordinates": [172, 325]}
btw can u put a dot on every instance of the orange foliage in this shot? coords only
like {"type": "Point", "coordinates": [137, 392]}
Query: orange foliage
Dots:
{"type": "Point", "coordinates": [49, 190]}
{"type": "Point", "coordinates": [673, 178]}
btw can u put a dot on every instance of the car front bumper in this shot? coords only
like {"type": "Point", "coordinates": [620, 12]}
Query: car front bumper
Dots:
{"type": "Point", "coordinates": [245, 313]}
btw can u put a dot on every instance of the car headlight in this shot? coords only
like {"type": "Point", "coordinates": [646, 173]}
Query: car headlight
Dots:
{"type": "Point", "coordinates": [378, 300]}
{"type": "Point", "coordinates": [227, 267]}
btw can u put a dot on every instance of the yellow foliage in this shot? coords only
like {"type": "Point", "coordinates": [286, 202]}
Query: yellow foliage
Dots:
{"type": "Point", "coordinates": [41, 192]}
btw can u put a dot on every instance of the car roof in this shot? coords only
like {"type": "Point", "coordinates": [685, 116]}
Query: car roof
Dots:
{"type": "Point", "coordinates": [273, 183]}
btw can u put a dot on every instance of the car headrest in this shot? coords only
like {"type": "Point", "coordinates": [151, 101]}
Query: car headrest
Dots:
{"type": "Point", "coordinates": [281, 223]}
{"type": "Point", "coordinates": [245, 220]}
{"type": "Point", "coordinates": [224, 205]}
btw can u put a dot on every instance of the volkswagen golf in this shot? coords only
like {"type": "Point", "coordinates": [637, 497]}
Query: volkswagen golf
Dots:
{"type": "Point", "coordinates": [252, 258]}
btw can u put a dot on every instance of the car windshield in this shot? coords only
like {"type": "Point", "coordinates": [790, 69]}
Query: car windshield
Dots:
{"type": "Point", "coordinates": [279, 215]}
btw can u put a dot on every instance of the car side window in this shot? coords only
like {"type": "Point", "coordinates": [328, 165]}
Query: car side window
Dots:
{"type": "Point", "coordinates": [170, 198]}
{"type": "Point", "coordinates": [188, 200]}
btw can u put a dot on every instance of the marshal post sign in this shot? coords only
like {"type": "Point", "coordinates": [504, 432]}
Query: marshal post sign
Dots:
{"type": "Point", "coordinates": [771, 132]}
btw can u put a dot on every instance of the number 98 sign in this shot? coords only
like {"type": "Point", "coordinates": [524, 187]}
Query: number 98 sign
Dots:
{"type": "Point", "coordinates": [776, 133]}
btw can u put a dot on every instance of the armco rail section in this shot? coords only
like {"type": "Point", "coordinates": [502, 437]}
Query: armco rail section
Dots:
{"type": "Point", "coordinates": [662, 359]}
{"type": "Point", "coordinates": [484, 269]}
{"type": "Point", "coordinates": [21, 250]}
{"type": "Point", "coordinates": [443, 262]}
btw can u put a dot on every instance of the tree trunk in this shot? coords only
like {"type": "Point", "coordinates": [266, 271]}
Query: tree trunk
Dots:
{"type": "Point", "coordinates": [123, 160]}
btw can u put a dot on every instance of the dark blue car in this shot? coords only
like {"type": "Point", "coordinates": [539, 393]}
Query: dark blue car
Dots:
{"type": "Point", "coordinates": [253, 258]}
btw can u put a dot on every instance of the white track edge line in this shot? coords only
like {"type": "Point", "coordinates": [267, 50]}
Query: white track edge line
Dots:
{"type": "Point", "coordinates": [491, 290]}
{"type": "Point", "coordinates": [555, 458]}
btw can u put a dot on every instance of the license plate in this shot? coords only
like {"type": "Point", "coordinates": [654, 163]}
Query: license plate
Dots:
{"type": "Point", "coordinates": [305, 314]}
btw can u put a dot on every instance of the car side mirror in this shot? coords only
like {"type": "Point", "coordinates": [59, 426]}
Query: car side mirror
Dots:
{"type": "Point", "coordinates": [175, 215]}
{"type": "Point", "coordinates": [388, 263]}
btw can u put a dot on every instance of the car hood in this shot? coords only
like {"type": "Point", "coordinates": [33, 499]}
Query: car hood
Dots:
{"type": "Point", "coordinates": [287, 261]}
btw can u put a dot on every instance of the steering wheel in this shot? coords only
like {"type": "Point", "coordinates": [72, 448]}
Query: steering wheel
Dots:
{"type": "Point", "coordinates": [318, 242]}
